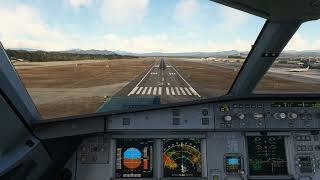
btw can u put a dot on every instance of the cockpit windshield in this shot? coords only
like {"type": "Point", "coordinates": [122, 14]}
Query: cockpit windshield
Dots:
{"type": "Point", "coordinates": [297, 69]}
{"type": "Point", "coordinates": [80, 57]}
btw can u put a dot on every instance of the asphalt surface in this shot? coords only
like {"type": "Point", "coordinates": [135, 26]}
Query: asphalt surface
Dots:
{"type": "Point", "coordinates": [163, 80]}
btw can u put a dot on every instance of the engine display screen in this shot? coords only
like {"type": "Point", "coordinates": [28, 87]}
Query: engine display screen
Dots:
{"type": "Point", "coordinates": [134, 158]}
{"type": "Point", "coordinates": [267, 155]}
{"type": "Point", "coordinates": [232, 164]}
{"type": "Point", "coordinates": [182, 157]}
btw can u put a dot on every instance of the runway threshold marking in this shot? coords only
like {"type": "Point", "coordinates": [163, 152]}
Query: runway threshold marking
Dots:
{"type": "Point", "coordinates": [144, 90]}
{"type": "Point", "coordinates": [178, 92]}
{"type": "Point", "coordinates": [183, 92]}
{"type": "Point", "coordinates": [149, 91]}
{"type": "Point", "coordinates": [197, 94]}
{"type": "Point", "coordinates": [160, 91]}
{"type": "Point", "coordinates": [194, 91]}
{"type": "Point", "coordinates": [172, 91]}
{"type": "Point", "coordinates": [139, 90]}
{"type": "Point", "coordinates": [133, 90]}
{"type": "Point", "coordinates": [155, 91]}
{"type": "Point", "coordinates": [142, 79]}
{"type": "Point", "coordinates": [167, 91]}
{"type": "Point", "coordinates": [187, 90]}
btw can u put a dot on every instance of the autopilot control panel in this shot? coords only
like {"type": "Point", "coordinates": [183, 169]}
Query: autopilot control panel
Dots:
{"type": "Point", "coordinates": [232, 140]}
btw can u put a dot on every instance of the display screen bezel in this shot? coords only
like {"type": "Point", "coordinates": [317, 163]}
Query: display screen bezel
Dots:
{"type": "Point", "coordinates": [134, 139]}
{"type": "Point", "coordinates": [286, 155]}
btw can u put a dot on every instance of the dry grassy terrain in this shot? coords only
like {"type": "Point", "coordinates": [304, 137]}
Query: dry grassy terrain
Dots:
{"type": "Point", "coordinates": [213, 81]}
{"type": "Point", "coordinates": [83, 75]}
{"type": "Point", "coordinates": [209, 81]}
{"type": "Point", "coordinates": [77, 88]}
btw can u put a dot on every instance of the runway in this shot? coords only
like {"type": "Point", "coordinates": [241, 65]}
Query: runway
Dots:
{"type": "Point", "coordinates": [164, 81]}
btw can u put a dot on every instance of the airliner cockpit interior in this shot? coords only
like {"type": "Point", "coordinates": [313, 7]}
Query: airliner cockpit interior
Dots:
{"type": "Point", "coordinates": [170, 90]}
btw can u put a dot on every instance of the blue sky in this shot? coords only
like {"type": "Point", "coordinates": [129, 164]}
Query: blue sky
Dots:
{"type": "Point", "coordinates": [135, 25]}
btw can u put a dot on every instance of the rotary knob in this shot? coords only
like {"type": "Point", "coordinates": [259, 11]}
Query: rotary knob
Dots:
{"type": "Point", "coordinates": [258, 116]}
{"type": "Point", "coordinates": [227, 118]}
{"type": "Point", "coordinates": [292, 115]}
{"type": "Point", "coordinates": [280, 115]}
{"type": "Point", "coordinates": [241, 116]}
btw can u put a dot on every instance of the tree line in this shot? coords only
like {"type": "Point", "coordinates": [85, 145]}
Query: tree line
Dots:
{"type": "Point", "coordinates": [44, 56]}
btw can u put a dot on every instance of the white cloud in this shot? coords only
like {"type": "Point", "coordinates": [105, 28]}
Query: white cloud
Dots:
{"type": "Point", "coordinates": [79, 3]}
{"type": "Point", "coordinates": [24, 21]}
{"type": "Point", "coordinates": [123, 12]}
{"type": "Point", "coordinates": [235, 44]}
{"type": "Point", "coordinates": [164, 43]}
{"type": "Point", "coordinates": [230, 18]}
{"type": "Point", "coordinates": [298, 42]}
{"type": "Point", "coordinates": [140, 43]}
{"type": "Point", "coordinates": [186, 11]}
{"type": "Point", "coordinates": [21, 26]}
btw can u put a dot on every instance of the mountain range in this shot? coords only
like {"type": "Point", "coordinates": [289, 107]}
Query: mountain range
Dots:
{"type": "Point", "coordinates": [91, 51]}
{"type": "Point", "coordinates": [289, 53]}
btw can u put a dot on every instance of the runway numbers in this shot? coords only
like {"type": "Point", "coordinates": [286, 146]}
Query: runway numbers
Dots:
{"type": "Point", "coordinates": [169, 91]}
{"type": "Point", "coordinates": [153, 73]}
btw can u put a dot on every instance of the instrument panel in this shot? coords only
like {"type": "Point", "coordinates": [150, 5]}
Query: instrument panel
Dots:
{"type": "Point", "coordinates": [229, 140]}
{"type": "Point", "coordinates": [212, 156]}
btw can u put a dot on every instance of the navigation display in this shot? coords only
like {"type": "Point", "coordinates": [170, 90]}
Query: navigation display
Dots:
{"type": "Point", "coordinates": [134, 158]}
{"type": "Point", "coordinates": [182, 157]}
{"type": "Point", "coordinates": [267, 155]}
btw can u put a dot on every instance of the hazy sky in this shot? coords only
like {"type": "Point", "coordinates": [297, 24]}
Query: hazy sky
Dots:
{"type": "Point", "coordinates": [135, 25]}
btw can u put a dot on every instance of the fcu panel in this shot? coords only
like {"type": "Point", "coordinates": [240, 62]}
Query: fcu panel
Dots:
{"type": "Point", "coordinates": [267, 115]}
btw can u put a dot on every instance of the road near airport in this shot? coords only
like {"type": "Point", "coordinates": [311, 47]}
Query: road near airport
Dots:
{"type": "Point", "coordinates": [162, 79]}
